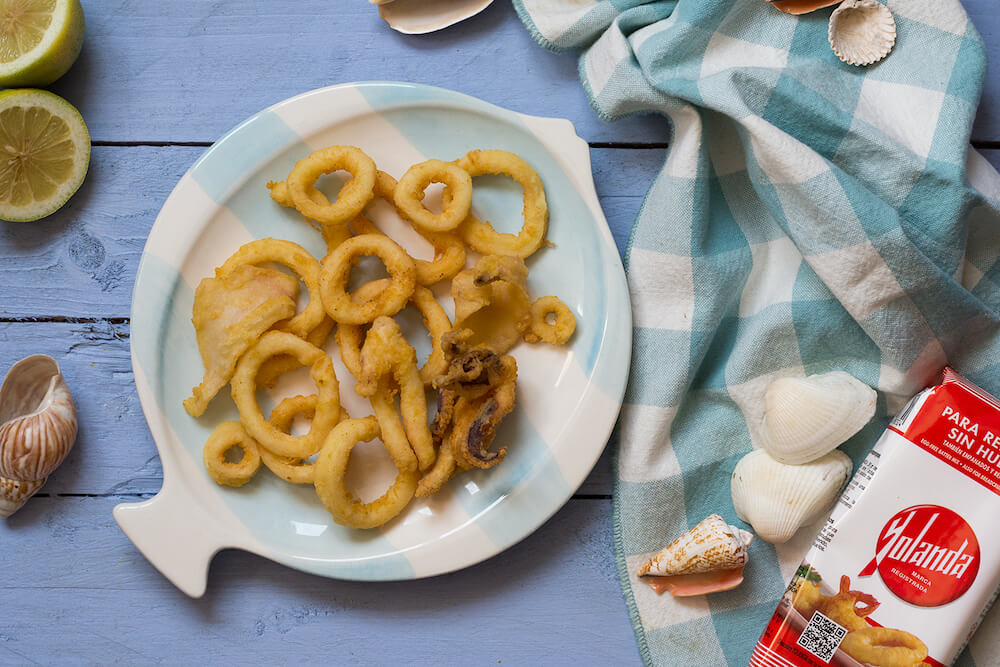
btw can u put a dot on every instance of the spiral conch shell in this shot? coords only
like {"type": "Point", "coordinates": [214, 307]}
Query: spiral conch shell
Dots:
{"type": "Point", "coordinates": [805, 418]}
{"type": "Point", "coordinates": [706, 559]}
{"type": "Point", "coordinates": [37, 428]}
{"type": "Point", "coordinates": [862, 32]}
{"type": "Point", "coordinates": [778, 499]}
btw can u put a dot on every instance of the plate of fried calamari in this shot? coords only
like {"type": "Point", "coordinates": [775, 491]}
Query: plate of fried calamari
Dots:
{"type": "Point", "coordinates": [380, 331]}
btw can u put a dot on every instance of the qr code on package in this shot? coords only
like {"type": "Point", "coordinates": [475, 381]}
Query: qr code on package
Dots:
{"type": "Point", "coordinates": [821, 637]}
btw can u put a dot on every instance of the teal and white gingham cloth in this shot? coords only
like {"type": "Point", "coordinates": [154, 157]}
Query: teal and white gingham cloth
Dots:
{"type": "Point", "coordinates": [810, 216]}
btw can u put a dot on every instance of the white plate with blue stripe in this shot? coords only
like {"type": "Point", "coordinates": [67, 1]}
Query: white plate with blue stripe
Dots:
{"type": "Point", "coordinates": [568, 397]}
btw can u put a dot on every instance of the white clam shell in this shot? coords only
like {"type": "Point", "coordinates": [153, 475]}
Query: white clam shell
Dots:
{"type": "Point", "coordinates": [710, 546]}
{"type": "Point", "coordinates": [804, 418]}
{"type": "Point", "coordinates": [14, 493]}
{"type": "Point", "coordinates": [778, 499]}
{"type": "Point", "coordinates": [37, 419]}
{"type": "Point", "coordinates": [862, 32]}
{"type": "Point", "coordinates": [415, 17]}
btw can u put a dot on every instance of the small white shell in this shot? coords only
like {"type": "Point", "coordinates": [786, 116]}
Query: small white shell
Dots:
{"type": "Point", "coordinates": [37, 419]}
{"type": "Point", "coordinates": [711, 545]}
{"type": "Point", "coordinates": [778, 499]}
{"type": "Point", "coordinates": [804, 418]}
{"type": "Point", "coordinates": [14, 493]}
{"type": "Point", "coordinates": [415, 17]}
{"type": "Point", "coordinates": [862, 32]}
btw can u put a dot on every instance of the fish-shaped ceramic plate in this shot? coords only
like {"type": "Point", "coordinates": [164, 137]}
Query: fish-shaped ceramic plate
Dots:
{"type": "Point", "coordinates": [568, 397]}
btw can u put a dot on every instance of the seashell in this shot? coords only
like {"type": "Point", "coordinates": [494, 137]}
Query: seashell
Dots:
{"type": "Point", "coordinates": [778, 499]}
{"type": "Point", "coordinates": [801, 6]}
{"type": "Point", "coordinates": [14, 493]}
{"type": "Point", "coordinates": [706, 559]}
{"type": "Point", "coordinates": [37, 419]}
{"type": "Point", "coordinates": [804, 418]}
{"type": "Point", "coordinates": [862, 32]}
{"type": "Point", "coordinates": [416, 17]}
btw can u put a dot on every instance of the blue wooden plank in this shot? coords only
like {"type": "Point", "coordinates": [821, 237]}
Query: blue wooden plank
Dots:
{"type": "Point", "coordinates": [986, 18]}
{"type": "Point", "coordinates": [77, 591]}
{"type": "Point", "coordinates": [188, 70]}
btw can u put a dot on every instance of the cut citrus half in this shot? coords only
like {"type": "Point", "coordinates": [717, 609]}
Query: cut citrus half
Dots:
{"type": "Point", "coordinates": [44, 153]}
{"type": "Point", "coordinates": [39, 40]}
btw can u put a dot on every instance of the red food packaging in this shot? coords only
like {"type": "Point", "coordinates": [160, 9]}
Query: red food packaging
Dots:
{"type": "Point", "coordinates": [909, 561]}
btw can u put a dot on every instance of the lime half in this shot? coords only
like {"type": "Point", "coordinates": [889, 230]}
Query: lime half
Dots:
{"type": "Point", "coordinates": [39, 40]}
{"type": "Point", "coordinates": [44, 153]}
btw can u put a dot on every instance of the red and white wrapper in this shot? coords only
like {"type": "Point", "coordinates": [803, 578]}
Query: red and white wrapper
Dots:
{"type": "Point", "coordinates": [917, 528]}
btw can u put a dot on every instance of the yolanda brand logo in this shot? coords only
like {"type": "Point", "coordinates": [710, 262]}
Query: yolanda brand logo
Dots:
{"type": "Point", "coordinates": [926, 555]}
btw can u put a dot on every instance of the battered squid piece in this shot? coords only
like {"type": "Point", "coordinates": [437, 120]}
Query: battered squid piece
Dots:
{"type": "Point", "coordinates": [476, 421]}
{"type": "Point", "coordinates": [231, 312]}
{"type": "Point", "coordinates": [475, 394]}
{"type": "Point", "coordinates": [388, 367]}
{"type": "Point", "coordinates": [491, 300]}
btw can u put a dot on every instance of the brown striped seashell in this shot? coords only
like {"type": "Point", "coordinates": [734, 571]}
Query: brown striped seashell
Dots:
{"type": "Point", "coordinates": [14, 493]}
{"type": "Point", "coordinates": [416, 17]}
{"type": "Point", "coordinates": [37, 424]}
{"type": "Point", "coordinates": [802, 6]}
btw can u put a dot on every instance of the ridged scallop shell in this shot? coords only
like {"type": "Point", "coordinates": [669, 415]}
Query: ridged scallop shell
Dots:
{"type": "Point", "coordinates": [862, 32]}
{"type": "Point", "coordinates": [14, 493]}
{"type": "Point", "coordinates": [804, 418]}
{"type": "Point", "coordinates": [778, 499]}
{"type": "Point", "coordinates": [415, 17]}
{"type": "Point", "coordinates": [711, 545]}
{"type": "Point", "coordinates": [37, 419]}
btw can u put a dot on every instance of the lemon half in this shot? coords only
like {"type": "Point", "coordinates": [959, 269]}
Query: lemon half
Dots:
{"type": "Point", "coordinates": [39, 40]}
{"type": "Point", "coordinates": [44, 153]}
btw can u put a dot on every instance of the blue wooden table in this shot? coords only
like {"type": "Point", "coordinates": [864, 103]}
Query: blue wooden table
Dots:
{"type": "Point", "coordinates": [158, 82]}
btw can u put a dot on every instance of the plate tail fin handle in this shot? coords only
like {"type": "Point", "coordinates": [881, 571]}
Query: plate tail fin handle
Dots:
{"type": "Point", "coordinates": [169, 531]}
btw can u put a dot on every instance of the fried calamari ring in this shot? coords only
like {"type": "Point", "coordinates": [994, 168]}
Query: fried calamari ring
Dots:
{"type": "Point", "coordinates": [388, 365]}
{"type": "Point", "coordinates": [327, 403]}
{"type": "Point", "coordinates": [441, 472]}
{"type": "Point", "coordinates": [351, 337]}
{"type": "Point", "coordinates": [331, 466]}
{"type": "Point", "coordinates": [277, 366]}
{"type": "Point", "coordinates": [556, 333]}
{"type": "Point", "coordinates": [226, 436]}
{"type": "Point", "coordinates": [334, 235]}
{"type": "Point", "coordinates": [410, 193]}
{"type": "Point", "coordinates": [352, 198]}
{"type": "Point", "coordinates": [290, 469]}
{"type": "Point", "coordinates": [887, 647]}
{"type": "Point", "coordinates": [298, 260]}
{"type": "Point", "coordinates": [479, 235]}
{"type": "Point", "coordinates": [449, 251]}
{"type": "Point", "coordinates": [336, 271]}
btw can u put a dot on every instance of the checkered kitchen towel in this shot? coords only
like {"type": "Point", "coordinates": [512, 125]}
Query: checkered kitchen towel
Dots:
{"type": "Point", "coordinates": [810, 216]}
